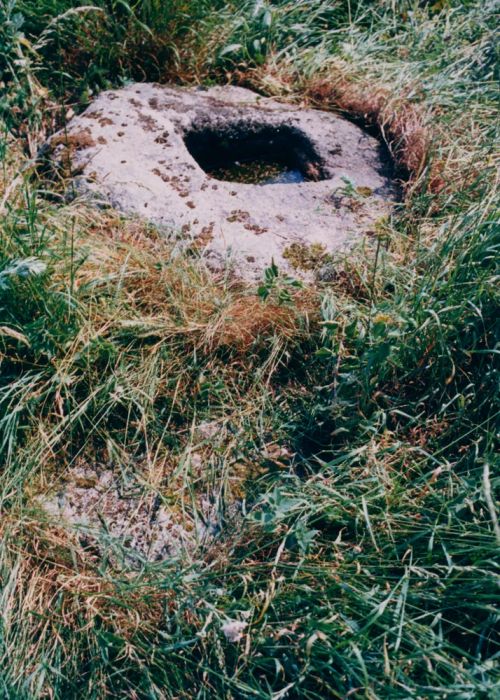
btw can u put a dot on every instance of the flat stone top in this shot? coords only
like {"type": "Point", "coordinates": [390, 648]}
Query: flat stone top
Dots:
{"type": "Point", "coordinates": [129, 147]}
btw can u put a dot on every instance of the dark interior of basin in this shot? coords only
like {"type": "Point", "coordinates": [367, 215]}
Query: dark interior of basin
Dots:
{"type": "Point", "coordinates": [255, 154]}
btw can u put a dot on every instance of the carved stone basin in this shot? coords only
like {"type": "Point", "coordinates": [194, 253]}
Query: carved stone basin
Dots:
{"type": "Point", "coordinates": [246, 178]}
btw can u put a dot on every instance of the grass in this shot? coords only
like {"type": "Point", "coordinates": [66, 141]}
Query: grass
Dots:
{"type": "Point", "coordinates": [339, 439]}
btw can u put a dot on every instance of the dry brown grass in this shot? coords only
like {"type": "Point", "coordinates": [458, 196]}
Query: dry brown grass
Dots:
{"type": "Point", "coordinates": [246, 319]}
{"type": "Point", "coordinates": [431, 159]}
{"type": "Point", "coordinates": [57, 583]}
{"type": "Point", "coordinates": [173, 296]}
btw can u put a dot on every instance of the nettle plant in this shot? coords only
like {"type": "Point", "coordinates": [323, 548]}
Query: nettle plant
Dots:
{"type": "Point", "coordinates": [277, 286]}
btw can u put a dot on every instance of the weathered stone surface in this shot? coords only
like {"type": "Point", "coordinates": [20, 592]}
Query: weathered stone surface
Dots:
{"type": "Point", "coordinates": [129, 146]}
{"type": "Point", "coordinates": [121, 518]}
{"type": "Point", "coordinates": [117, 517]}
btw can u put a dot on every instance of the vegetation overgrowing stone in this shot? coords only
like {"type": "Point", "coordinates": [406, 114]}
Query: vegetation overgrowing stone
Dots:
{"type": "Point", "coordinates": [274, 488]}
